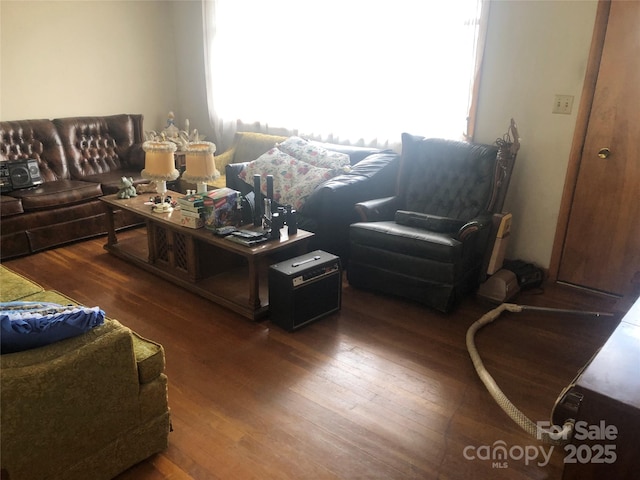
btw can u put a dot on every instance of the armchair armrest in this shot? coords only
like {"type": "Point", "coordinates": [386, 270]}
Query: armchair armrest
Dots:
{"type": "Point", "coordinates": [233, 181]}
{"type": "Point", "coordinates": [467, 230]}
{"type": "Point", "coordinates": [479, 226]}
{"type": "Point", "coordinates": [462, 230]}
{"type": "Point", "coordinates": [378, 209]}
{"type": "Point", "coordinates": [432, 223]}
{"type": "Point", "coordinates": [481, 223]}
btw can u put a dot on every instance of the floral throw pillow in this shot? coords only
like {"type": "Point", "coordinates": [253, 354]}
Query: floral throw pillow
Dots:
{"type": "Point", "coordinates": [315, 154]}
{"type": "Point", "coordinates": [293, 180]}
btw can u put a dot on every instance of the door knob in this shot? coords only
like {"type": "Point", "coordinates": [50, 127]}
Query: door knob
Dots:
{"type": "Point", "coordinates": [604, 152]}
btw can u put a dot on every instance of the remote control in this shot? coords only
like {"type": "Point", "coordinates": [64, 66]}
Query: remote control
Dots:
{"type": "Point", "coordinates": [223, 231]}
{"type": "Point", "coordinates": [251, 234]}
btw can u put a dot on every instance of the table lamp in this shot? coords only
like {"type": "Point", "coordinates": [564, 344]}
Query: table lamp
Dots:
{"type": "Point", "coordinates": [200, 166]}
{"type": "Point", "coordinates": [159, 165]}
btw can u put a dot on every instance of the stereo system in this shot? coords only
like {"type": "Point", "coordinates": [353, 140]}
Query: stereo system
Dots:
{"type": "Point", "coordinates": [19, 174]}
{"type": "Point", "coordinates": [304, 289]}
{"type": "Point", "coordinates": [5, 180]}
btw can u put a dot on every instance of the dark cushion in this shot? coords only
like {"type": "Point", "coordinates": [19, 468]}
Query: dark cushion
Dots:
{"type": "Point", "coordinates": [57, 194]}
{"type": "Point", "coordinates": [110, 181]}
{"type": "Point", "coordinates": [27, 325]}
{"type": "Point", "coordinates": [10, 206]}
{"type": "Point", "coordinates": [408, 241]}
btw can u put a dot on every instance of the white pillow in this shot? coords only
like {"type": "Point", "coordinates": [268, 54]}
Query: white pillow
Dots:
{"type": "Point", "coordinates": [293, 180]}
{"type": "Point", "coordinates": [315, 155]}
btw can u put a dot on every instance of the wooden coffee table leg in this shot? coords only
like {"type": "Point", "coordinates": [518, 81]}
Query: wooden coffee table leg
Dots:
{"type": "Point", "coordinates": [254, 284]}
{"type": "Point", "coordinates": [111, 227]}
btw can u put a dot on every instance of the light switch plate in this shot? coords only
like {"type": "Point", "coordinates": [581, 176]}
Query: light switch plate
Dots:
{"type": "Point", "coordinates": [562, 104]}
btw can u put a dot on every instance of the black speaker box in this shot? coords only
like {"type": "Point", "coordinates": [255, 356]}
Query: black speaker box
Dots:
{"type": "Point", "coordinates": [304, 289]}
{"type": "Point", "coordinates": [24, 173]}
{"type": "Point", "coordinates": [5, 179]}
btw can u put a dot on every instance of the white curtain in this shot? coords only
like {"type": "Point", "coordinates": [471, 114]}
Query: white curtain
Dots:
{"type": "Point", "coordinates": [350, 71]}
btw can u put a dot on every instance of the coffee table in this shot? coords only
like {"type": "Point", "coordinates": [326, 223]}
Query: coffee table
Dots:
{"type": "Point", "coordinates": [227, 273]}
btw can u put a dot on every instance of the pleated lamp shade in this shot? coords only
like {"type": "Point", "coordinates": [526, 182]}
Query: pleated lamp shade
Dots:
{"type": "Point", "coordinates": [159, 163]}
{"type": "Point", "coordinates": [199, 163]}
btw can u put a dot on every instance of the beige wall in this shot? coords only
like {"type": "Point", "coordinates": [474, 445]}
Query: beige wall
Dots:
{"type": "Point", "coordinates": [147, 57]}
{"type": "Point", "coordinates": [534, 50]}
{"type": "Point", "coordinates": [69, 58]}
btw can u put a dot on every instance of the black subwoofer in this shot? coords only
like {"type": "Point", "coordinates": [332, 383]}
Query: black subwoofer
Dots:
{"type": "Point", "coordinates": [304, 289]}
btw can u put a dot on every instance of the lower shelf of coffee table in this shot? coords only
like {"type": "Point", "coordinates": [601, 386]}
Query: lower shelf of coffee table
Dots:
{"type": "Point", "coordinates": [223, 275]}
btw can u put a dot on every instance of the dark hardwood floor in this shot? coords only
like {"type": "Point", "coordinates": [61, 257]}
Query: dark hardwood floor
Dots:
{"type": "Point", "coordinates": [382, 389]}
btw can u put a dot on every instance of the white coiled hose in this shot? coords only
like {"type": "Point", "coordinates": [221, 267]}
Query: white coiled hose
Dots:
{"type": "Point", "coordinates": [553, 438]}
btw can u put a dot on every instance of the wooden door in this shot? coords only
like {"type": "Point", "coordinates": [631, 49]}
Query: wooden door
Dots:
{"type": "Point", "coordinates": [601, 249]}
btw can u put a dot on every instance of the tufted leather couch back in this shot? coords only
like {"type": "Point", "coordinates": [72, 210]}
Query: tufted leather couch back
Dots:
{"type": "Point", "coordinates": [38, 139]}
{"type": "Point", "coordinates": [80, 159]}
{"type": "Point", "coordinates": [95, 145]}
{"type": "Point", "coordinates": [447, 178]}
{"type": "Point", "coordinates": [75, 147]}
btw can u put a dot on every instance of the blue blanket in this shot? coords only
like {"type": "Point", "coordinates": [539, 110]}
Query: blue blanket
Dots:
{"type": "Point", "coordinates": [27, 325]}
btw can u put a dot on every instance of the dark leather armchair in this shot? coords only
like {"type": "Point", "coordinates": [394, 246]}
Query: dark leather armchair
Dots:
{"type": "Point", "coordinates": [429, 242]}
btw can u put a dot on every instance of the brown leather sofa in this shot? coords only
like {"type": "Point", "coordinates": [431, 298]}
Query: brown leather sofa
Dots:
{"type": "Point", "coordinates": [80, 159]}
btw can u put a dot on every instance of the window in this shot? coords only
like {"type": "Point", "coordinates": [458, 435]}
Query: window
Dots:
{"type": "Point", "coordinates": [349, 70]}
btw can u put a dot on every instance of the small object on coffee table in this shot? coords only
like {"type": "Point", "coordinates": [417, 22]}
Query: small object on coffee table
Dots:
{"type": "Point", "coordinates": [127, 190]}
{"type": "Point", "coordinates": [223, 231]}
{"type": "Point", "coordinates": [248, 234]}
{"type": "Point", "coordinates": [247, 242]}
{"type": "Point", "coordinates": [150, 187]}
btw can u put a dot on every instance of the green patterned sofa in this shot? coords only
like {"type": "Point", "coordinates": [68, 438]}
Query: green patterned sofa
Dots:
{"type": "Point", "coordinates": [86, 407]}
